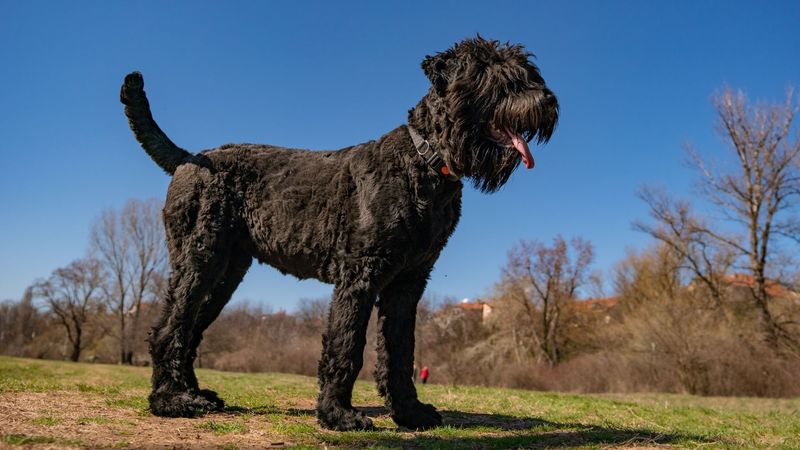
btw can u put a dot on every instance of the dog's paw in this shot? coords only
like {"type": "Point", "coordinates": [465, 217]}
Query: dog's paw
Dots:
{"type": "Point", "coordinates": [341, 419]}
{"type": "Point", "coordinates": [183, 404]}
{"type": "Point", "coordinates": [417, 416]}
{"type": "Point", "coordinates": [217, 403]}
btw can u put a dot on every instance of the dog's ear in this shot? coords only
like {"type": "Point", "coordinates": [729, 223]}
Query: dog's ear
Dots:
{"type": "Point", "coordinates": [438, 68]}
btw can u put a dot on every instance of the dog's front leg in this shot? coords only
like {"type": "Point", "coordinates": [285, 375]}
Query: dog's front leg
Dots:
{"type": "Point", "coordinates": [396, 317]}
{"type": "Point", "coordinates": [342, 357]}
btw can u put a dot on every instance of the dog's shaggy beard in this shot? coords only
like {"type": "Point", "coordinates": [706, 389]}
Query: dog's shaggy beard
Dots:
{"type": "Point", "coordinates": [479, 156]}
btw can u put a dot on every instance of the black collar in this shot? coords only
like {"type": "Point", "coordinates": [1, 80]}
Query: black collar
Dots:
{"type": "Point", "coordinates": [430, 155]}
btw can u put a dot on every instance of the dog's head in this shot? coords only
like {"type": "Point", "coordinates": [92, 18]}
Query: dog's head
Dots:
{"type": "Point", "coordinates": [486, 102]}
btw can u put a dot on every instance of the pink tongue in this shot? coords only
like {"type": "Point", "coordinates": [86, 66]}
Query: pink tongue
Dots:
{"type": "Point", "coordinates": [522, 147]}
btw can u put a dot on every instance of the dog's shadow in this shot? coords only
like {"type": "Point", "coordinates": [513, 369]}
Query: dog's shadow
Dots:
{"type": "Point", "coordinates": [525, 432]}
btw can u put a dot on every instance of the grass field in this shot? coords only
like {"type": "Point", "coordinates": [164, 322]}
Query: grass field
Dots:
{"type": "Point", "coordinates": [53, 404]}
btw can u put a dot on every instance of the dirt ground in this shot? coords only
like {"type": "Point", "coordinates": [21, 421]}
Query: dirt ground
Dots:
{"type": "Point", "coordinates": [78, 419]}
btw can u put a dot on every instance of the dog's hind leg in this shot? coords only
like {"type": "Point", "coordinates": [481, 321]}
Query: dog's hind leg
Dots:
{"type": "Point", "coordinates": [239, 261]}
{"type": "Point", "coordinates": [199, 252]}
{"type": "Point", "coordinates": [395, 365]}
{"type": "Point", "coordinates": [342, 357]}
{"type": "Point", "coordinates": [173, 394]}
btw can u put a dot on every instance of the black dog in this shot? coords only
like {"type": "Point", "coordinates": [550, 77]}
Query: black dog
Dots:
{"type": "Point", "coordinates": [371, 219]}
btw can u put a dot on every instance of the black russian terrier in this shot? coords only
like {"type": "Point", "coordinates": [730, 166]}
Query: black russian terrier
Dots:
{"type": "Point", "coordinates": [370, 219]}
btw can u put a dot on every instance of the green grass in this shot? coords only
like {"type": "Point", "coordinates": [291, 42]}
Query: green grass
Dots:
{"type": "Point", "coordinates": [223, 427]}
{"type": "Point", "coordinates": [138, 403]}
{"type": "Point", "coordinates": [46, 421]}
{"type": "Point", "coordinates": [265, 409]}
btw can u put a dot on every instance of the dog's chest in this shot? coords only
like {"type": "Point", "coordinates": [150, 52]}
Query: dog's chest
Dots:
{"type": "Point", "coordinates": [434, 217]}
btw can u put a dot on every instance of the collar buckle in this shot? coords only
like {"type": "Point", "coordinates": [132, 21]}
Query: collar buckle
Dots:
{"type": "Point", "coordinates": [434, 160]}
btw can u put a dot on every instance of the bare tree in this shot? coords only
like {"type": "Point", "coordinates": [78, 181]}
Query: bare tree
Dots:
{"type": "Point", "coordinates": [313, 313]}
{"type": "Point", "coordinates": [132, 248]}
{"type": "Point", "coordinates": [545, 281]}
{"type": "Point", "coordinates": [685, 236]}
{"type": "Point", "coordinates": [756, 193]}
{"type": "Point", "coordinates": [145, 229]}
{"type": "Point", "coordinates": [72, 293]}
{"type": "Point", "coordinates": [19, 322]}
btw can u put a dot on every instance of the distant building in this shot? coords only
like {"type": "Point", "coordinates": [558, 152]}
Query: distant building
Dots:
{"type": "Point", "coordinates": [597, 304]}
{"type": "Point", "coordinates": [477, 308]}
{"type": "Point", "coordinates": [774, 288]}
{"type": "Point", "coordinates": [606, 307]}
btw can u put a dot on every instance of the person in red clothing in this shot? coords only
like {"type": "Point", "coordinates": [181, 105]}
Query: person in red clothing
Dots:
{"type": "Point", "coordinates": [423, 375]}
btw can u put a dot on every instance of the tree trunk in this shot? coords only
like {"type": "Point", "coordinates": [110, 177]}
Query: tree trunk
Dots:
{"type": "Point", "coordinates": [123, 350]}
{"type": "Point", "coordinates": [76, 346]}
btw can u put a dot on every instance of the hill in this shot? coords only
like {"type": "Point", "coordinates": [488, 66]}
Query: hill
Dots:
{"type": "Point", "coordinates": [56, 404]}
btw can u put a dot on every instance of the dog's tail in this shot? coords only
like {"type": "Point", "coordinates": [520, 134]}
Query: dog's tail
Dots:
{"type": "Point", "coordinates": [164, 152]}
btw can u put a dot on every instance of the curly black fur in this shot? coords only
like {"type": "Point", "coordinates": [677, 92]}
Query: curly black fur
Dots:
{"type": "Point", "coordinates": [370, 219]}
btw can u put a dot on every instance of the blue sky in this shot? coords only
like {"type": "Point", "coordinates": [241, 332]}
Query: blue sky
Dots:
{"type": "Point", "coordinates": [634, 80]}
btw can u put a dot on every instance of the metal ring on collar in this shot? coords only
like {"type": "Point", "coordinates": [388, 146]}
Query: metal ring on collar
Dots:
{"type": "Point", "coordinates": [427, 148]}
